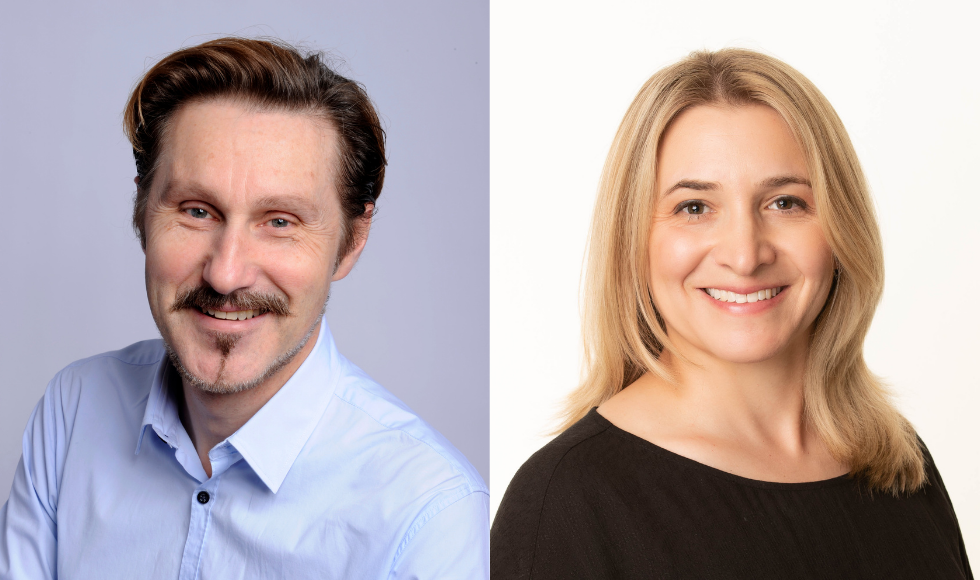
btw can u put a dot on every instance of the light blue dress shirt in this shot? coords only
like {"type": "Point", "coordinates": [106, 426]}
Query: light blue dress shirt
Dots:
{"type": "Point", "coordinates": [333, 478]}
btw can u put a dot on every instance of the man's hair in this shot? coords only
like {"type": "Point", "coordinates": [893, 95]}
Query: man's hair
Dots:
{"type": "Point", "coordinates": [268, 74]}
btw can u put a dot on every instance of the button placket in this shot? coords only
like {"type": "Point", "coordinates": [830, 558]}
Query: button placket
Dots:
{"type": "Point", "coordinates": [202, 503]}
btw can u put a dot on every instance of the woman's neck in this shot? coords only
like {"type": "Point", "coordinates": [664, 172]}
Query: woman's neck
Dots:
{"type": "Point", "coordinates": [745, 418]}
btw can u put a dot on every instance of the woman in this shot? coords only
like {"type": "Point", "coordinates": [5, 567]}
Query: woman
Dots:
{"type": "Point", "coordinates": [728, 426]}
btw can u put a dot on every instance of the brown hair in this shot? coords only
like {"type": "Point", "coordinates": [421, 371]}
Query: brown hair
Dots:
{"type": "Point", "coordinates": [624, 334]}
{"type": "Point", "coordinates": [269, 74]}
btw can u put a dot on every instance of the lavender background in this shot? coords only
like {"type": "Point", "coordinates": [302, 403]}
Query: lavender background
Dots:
{"type": "Point", "coordinates": [415, 311]}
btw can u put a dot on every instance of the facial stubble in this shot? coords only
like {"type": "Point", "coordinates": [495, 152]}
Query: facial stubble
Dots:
{"type": "Point", "coordinates": [225, 343]}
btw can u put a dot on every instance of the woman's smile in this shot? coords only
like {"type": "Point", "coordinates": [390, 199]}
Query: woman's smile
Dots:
{"type": "Point", "coordinates": [750, 296]}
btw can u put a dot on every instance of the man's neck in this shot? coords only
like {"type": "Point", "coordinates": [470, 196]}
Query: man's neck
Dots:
{"type": "Point", "coordinates": [210, 418]}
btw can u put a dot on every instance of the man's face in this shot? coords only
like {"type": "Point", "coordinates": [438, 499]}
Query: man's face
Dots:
{"type": "Point", "coordinates": [243, 227]}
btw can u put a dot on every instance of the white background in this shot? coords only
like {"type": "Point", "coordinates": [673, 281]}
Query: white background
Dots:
{"type": "Point", "coordinates": [905, 82]}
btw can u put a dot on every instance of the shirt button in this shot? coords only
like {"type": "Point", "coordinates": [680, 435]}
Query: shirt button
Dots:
{"type": "Point", "coordinates": [203, 497]}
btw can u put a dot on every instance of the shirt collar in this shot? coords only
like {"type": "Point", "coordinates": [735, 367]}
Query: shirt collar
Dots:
{"type": "Point", "coordinates": [161, 409]}
{"type": "Point", "coordinates": [272, 439]}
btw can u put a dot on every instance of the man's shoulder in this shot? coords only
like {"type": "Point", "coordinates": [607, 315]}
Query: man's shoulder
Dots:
{"type": "Point", "coordinates": [130, 369]}
{"type": "Point", "coordinates": [138, 354]}
{"type": "Point", "coordinates": [384, 416]}
{"type": "Point", "coordinates": [99, 396]}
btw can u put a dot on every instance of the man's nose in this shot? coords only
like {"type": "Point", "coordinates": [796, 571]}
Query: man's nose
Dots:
{"type": "Point", "coordinates": [744, 245]}
{"type": "Point", "coordinates": [229, 265]}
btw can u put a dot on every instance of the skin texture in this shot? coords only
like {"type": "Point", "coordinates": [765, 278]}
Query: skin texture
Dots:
{"type": "Point", "coordinates": [734, 212]}
{"type": "Point", "coordinates": [244, 203]}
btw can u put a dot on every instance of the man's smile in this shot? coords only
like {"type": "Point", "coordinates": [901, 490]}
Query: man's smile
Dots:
{"type": "Point", "coordinates": [234, 314]}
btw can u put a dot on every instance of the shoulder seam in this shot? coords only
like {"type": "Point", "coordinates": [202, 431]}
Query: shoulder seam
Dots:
{"type": "Point", "coordinates": [449, 460]}
{"type": "Point", "coordinates": [427, 516]}
{"type": "Point", "coordinates": [112, 356]}
{"type": "Point", "coordinates": [537, 529]}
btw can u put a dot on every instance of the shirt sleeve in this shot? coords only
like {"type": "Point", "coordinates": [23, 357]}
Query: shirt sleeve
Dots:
{"type": "Point", "coordinates": [28, 520]}
{"type": "Point", "coordinates": [454, 543]}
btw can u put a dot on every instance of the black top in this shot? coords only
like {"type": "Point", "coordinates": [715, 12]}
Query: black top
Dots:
{"type": "Point", "coordinates": [598, 502]}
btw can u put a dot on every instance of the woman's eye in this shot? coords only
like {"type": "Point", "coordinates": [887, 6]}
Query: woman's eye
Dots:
{"type": "Point", "coordinates": [693, 208]}
{"type": "Point", "coordinates": [278, 223]}
{"type": "Point", "coordinates": [196, 212]}
{"type": "Point", "coordinates": [787, 203]}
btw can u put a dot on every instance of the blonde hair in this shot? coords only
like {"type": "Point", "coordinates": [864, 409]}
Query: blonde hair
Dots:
{"type": "Point", "coordinates": [624, 335]}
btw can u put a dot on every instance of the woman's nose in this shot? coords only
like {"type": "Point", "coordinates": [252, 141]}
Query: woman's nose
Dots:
{"type": "Point", "coordinates": [743, 245]}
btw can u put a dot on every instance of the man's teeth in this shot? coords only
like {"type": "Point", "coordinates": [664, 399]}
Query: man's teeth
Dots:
{"type": "Point", "coordinates": [726, 296]}
{"type": "Point", "coordinates": [236, 315]}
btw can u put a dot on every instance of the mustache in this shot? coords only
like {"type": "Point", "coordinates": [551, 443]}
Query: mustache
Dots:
{"type": "Point", "coordinates": [207, 298]}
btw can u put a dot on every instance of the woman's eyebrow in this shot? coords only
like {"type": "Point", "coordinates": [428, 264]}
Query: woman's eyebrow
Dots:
{"type": "Point", "coordinates": [774, 182]}
{"type": "Point", "coordinates": [768, 183]}
{"type": "Point", "coordinates": [695, 184]}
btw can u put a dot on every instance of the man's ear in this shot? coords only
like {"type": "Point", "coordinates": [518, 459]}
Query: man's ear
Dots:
{"type": "Point", "coordinates": [362, 227]}
{"type": "Point", "coordinates": [136, 180]}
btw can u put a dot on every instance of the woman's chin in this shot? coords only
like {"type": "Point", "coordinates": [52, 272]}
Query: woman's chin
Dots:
{"type": "Point", "coordinates": [745, 352]}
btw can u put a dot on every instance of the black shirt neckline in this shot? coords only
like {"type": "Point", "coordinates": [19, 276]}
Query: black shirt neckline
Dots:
{"type": "Point", "coordinates": [689, 463]}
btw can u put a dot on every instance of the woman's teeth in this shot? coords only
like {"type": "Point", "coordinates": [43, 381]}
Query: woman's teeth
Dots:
{"type": "Point", "coordinates": [236, 315]}
{"type": "Point", "coordinates": [726, 296]}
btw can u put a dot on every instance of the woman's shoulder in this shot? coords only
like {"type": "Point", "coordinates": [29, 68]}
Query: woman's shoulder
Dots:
{"type": "Point", "coordinates": [935, 489]}
{"type": "Point", "coordinates": [516, 525]}
{"type": "Point", "coordinates": [531, 481]}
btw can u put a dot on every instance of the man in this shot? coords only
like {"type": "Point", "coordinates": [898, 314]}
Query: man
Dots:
{"type": "Point", "coordinates": [260, 452]}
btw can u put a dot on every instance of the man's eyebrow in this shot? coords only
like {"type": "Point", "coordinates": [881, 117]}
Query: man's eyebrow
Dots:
{"type": "Point", "coordinates": [287, 202]}
{"type": "Point", "coordinates": [173, 187]}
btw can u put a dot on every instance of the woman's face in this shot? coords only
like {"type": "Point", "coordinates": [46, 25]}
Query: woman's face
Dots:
{"type": "Point", "coordinates": [739, 267]}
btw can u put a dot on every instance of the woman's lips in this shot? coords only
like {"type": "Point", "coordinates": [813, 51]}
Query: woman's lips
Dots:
{"type": "Point", "coordinates": [749, 297]}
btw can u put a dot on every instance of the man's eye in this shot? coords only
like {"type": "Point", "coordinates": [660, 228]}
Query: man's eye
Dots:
{"type": "Point", "coordinates": [197, 212]}
{"type": "Point", "coordinates": [278, 223]}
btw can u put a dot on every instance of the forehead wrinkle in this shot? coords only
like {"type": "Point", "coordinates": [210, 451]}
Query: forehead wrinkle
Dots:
{"type": "Point", "coordinates": [236, 154]}
{"type": "Point", "coordinates": [244, 178]}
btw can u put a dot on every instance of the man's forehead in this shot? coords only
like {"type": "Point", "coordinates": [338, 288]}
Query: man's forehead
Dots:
{"type": "Point", "coordinates": [225, 145]}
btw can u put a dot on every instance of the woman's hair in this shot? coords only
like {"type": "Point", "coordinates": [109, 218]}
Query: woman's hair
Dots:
{"type": "Point", "coordinates": [624, 334]}
{"type": "Point", "coordinates": [269, 75]}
